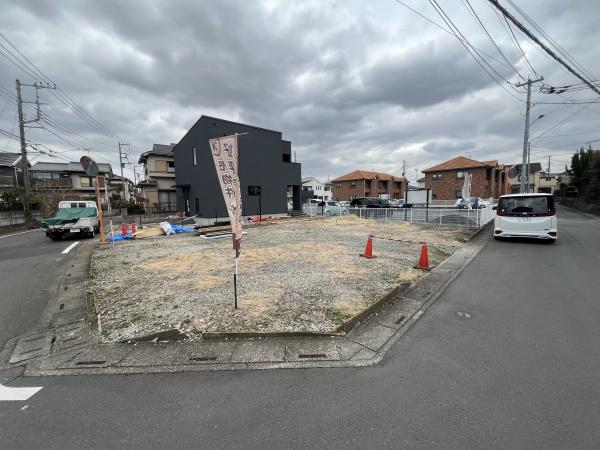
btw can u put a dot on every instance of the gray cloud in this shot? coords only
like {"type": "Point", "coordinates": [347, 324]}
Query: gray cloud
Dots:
{"type": "Point", "coordinates": [352, 84]}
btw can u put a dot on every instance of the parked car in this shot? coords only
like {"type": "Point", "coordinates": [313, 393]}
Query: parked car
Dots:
{"type": "Point", "coordinates": [397, 203]}
{"type": "Point", "coordinates": [367, 202]}
{"type": "Point", "coordinates": [469, 203]}
{"type": "Point", "coordinates": [333, 208]}
{"type": "Point", "coordinates": [526, 215]}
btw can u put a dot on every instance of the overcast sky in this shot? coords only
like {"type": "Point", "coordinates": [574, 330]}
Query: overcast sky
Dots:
{"type": "Point", "coordinates": [353, 84]}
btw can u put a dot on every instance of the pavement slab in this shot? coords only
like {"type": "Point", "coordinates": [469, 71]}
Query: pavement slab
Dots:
{"type": "Point", "coordinates": [259, 351]}
{"type": "Point", "coordinates": [305, 350]}
{"type": "Point", "coordinates": [216, 352]}
{"type": "Point", "coordinates": [373, 336]}
{"type": "Point", "coordinates": [149, 355]}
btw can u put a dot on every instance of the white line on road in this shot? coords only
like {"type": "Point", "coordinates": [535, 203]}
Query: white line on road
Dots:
{"type": "Point", "coordinates": [69, 248]}
{"type": "Point", "coordinates": [16, 234]}
{"type": "Point", "coordinates": [17, 394]}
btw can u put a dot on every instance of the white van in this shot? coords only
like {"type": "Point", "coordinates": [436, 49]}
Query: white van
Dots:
{"type": "Point", "coordinates": [526, 215]}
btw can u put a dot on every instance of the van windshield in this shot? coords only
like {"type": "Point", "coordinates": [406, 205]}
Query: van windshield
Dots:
{"type": "Point", "coordinates": [530, 205]}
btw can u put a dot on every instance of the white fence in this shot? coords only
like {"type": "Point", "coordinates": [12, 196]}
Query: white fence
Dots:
{"type": "Point", "coordinates": [467, 218]}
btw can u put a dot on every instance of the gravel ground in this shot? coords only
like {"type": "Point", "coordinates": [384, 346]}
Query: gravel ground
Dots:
{"type": "Point", "coordinates": [300, 275]}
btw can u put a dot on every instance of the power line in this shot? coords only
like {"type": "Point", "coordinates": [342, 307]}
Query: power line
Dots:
{"type": "Point", "coordinates": [32, 70]}
{"type": "Point", "coordinates": [560, 49]}
{"type": "Point", "coordinates": [513, 37]}
{"type": "Point", "coordinates": [474, 14]}
{"type": "Point", "coordinates": [541, 44]}
{"type": "Point", "coordinates": [456, 33]}
{"type": "Point", "coordinates": [445, 30]}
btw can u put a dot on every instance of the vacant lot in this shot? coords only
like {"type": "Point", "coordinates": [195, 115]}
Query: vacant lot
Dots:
{"type": "Point", "coordinates": [297, 275]}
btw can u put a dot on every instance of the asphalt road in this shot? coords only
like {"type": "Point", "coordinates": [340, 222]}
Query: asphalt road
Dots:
{"type": "Point", "coordinates": [520, 372]}
{"type": "Point", "coordinates": [29, 264]}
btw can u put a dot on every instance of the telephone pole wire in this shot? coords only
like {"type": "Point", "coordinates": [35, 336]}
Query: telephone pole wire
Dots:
{"type": "Point", "coordinates": [526, 136]}
{"type": "Point", "coordinates": [529, 34]}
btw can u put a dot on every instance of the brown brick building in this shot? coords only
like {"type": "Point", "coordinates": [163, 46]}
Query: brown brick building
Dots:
{"type": "Point", "coordinates": [362, 183]}
{"type": "Point", "coordinates": [446, 180]}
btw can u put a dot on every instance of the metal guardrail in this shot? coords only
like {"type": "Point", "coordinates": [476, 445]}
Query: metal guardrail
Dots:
{"type": "Point", "coordinates": [438, 216]}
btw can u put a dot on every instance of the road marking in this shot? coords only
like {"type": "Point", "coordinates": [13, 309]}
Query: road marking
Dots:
{"type": "Point", "coordinates": [16, 234]}
{"type": "Point", "coordinates": [17, 394]}
{"type": "Point", "coordinates": [69, 248]}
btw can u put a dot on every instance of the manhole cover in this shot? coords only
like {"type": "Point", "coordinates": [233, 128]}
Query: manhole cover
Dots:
{"type": "Point", "coordinates": [464, 314]}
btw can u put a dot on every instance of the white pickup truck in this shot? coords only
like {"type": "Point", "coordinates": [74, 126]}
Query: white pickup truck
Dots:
{"type": "Point", "coordinates": [72, 218]}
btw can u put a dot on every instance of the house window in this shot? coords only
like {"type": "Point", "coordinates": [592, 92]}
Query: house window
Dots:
{"type": "Point", "coordinates": [368, 184]}
{"type": "Point", "coordinates": [338, 185]}
{"type": "Point", "coordinates": [171, 166]}
{"type": "Point", "coordinates": [488, 174]}
{"type": "Point", "coordinates": [383, 185]}
{"type": "Point", "coordinates": [458, 193]}
{"type": "Point", "coordinates": [397, 185]}
{"type": "Point", "coordinates": [160, 165]}
{"type": "Point", "coordinates": [91, 182]}
{"type": "Point", "coordinates": [461, 174]}
{"type": "Point", "coordinates": [353, 184]}
{"type": "Point", "coordinates": [437, 176]}
{"type": "Point", "coordinates": [286, 157]}
{"type": "Point", "coordinates": [194, 159]}
{"type": "Point", "coordinates": [306, 188]}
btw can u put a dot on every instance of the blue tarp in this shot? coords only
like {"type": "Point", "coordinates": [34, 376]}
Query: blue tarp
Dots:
{"type": "Point", "coordinates": [180, 229]}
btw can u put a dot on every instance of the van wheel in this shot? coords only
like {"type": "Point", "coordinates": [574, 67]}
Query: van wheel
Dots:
{"type": "Point", "coordinates": [91, 234]}
{"type": "Point", "coordinates": [498, 238]}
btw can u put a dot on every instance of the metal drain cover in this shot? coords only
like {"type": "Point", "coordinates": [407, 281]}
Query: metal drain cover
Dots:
{"type": "Point", "coordinates": [464, 314]}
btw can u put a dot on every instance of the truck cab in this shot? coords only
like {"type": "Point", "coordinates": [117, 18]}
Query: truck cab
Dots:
{"type": "Point", "coordinates": [73, 218]}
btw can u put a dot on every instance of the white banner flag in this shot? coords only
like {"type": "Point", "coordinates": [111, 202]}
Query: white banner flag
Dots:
{"type": "Point", "coordinates": [225, 156]}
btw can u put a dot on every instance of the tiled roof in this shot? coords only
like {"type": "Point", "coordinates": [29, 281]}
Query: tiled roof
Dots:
{"type": "Point", "coordinates": [158, 149]}
{"type": "Point", "coordinates": [460, 162]}
{"type": "Point", "coordinates": [9, 159]}
{"type": "Point", "coordinates": [366, 175]}
{"type": "Point", "coordinates": [67, 167]}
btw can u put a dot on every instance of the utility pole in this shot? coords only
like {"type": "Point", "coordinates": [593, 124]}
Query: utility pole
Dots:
{"type": "Point", "coordinates": [22, 125]}
{"type": "Point", "coordinates": [121, 164]}
{"type": "Point", "coordinates": [548, 172]}
{"type": "Point", "coordinates": [403, 167]}
{"type": "Point", "coordinates": [416, 177]}
{"type": "Point", "coordinates": [528, 165]}
{"type": "Point", "coordinates": [526, 136]}
{"type": "Point", "coordinates": [24, 167]}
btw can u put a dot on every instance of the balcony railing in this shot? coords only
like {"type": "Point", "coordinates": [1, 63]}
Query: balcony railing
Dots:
{"type": "Point", "coordinates": [44, 185]}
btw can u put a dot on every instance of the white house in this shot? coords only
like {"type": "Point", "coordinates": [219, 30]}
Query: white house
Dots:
{"type": "Point", "coordinates": [322, 191]}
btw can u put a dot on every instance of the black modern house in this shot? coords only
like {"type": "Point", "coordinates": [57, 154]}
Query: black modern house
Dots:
{"type": "Point", "coordinates": [268, 177]}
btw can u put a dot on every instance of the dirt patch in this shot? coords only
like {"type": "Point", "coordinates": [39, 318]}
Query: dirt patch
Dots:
{"type": "Point", "coordinates": [301, 275]}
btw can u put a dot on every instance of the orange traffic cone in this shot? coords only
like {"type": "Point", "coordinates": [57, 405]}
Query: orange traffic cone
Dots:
{"type": "Point", "coordinates": [368, 249]}
{"type": "Point", "coordinates": [423, 259]}
{"type": "Point", "coordinates": [133, 228]}
{"type": "Point", "coordinates": [123, 229]}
